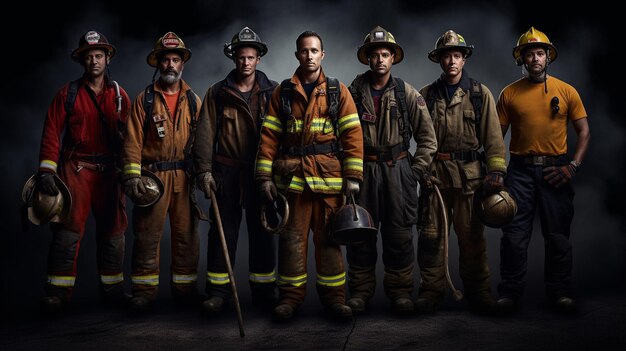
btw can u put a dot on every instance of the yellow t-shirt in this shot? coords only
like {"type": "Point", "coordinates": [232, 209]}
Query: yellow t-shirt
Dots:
{"type": "Point", "coordinates": [535, 128]}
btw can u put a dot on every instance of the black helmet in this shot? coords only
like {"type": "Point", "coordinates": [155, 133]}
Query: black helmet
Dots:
{"type": "Point", "coordinates": [495, 210]}
{"type": "Point", "coordinates": [245, 37]}
{"type": "Point", "coordinates": [90, 41]}
{"type": "Point", "coordinates": [352, 225]}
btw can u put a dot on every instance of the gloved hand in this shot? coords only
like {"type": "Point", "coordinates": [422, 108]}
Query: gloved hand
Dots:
{"type": "Point", "coordinates": [134, 187]}
{"type": "Point", "coordinates": [560, 175]}
{"type": "Point", "coordinates": [351, 188]}
{"type": "Point", "coordinates": [47, 184]}
{"type": "Point", "coordinates": [268, 190]}
{"type": "Point", "coordinates": [428, 182]}
{"type": "Point", "coordinates": [206, 183]}
{"type": "Point", "coordinates": [493, 183]}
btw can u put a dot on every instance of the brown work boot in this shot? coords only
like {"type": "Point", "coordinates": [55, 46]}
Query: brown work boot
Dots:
{"type": "Point", "coordinates": [357, 305]}
{"type": "Point", "coordinates": [427, 302]}
{"type": "Point", "coordinates": [565, 304]}
{"type": "Point", "coordinates": [140, 304]}
{"type": "Point", "coordinates": [402, 306]}
{"type": "Point", "coordinates": [213, 305]}
{"type": "Point", "coordinates": [339, 312]}
{"type": "Point", "coordinates": [283, 313]}
{"type": "Point", "coordinates": [52, 304]}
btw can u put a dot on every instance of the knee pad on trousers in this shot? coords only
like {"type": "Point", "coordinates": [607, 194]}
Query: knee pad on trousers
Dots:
{"type": "Point", "coordinates": [111, 254]}
{"type": "Point", "coordinates": [63, 250]}
{"type": "Point", "coordinates": [398, 249]}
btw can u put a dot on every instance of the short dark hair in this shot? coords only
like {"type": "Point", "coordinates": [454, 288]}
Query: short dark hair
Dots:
{"type": "Point", "coordinates": [309, 33]}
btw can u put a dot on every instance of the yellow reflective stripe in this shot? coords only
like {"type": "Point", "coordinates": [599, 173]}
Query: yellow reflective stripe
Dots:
{"type": "Point", "coordinates": [152, 279]}
{"type": "Point", "coordinates": [297, 183]}
{"type": "Point", "coordinates": [353, 163]}
{"type": "Point", "coordinates": [293, 281]}
{"type": "Point", "coordinates": [132, 168]}
{"type": "Point", "coordinates": [263, 165]}
{"type": "Point", "coordinates": [333, 280]}
{"type": "Point", "coordinates": [347, 122]}
{"type": "Point", "coordinates": [49, 164]}
{"type": "Point", "coordinates": [184, 278]}
{"type": "Point", "coordinates": [273, 123]}
{"type": "Point", "coordinates": [317, 183]}
{"type": "Point", "coordinates": [61, 280]}
{"type": "Point", "coordinates": [217, 278]}
{"type": "Point", "coordinates": [263, 277]}
{"type": "Point", "coordinates": [496, 162]}
{"type": "Point", "coordinates": [294, 126]}
{"type": "Point", "coordinates": [111, 279]}
{"type": "Point", "coordinates": [321, 125]}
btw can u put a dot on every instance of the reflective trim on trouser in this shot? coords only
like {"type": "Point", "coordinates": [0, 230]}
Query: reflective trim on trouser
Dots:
{"type": "Point", "coordinates": [263, 277]}
{"type": "Point", "coordinates": [152, 280]}
{"type": "Point", "coordinates": [333, 280]}
{"type": "Point", "coordinates": [61, 281]}
{"type": "Point", "coordinates": [184, 278]}
{"type": "Point", "coordinates": [217, 278]}
{"type": "Point", "coordinates": [298, 280]}
{"type": "Point", "coordinates": [111, 279]}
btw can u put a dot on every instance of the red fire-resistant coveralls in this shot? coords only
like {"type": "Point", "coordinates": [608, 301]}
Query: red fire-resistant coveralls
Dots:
{"type": "Point", "coordinates": [86, 164]}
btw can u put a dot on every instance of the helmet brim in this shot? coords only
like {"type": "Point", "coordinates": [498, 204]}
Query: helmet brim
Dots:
{"type": "Point", "coordinates": [517, 51]}
{"type": "Point", "coordinates": [110, 49]}
{"type": "Point", "coordinates": [153, 60]}
{"type": "Point", "coordinates": [229, 48]}
{"type": "Point", "coordinates": [434, 55]}
{"type": "Point", "coordinates": [362, 52]}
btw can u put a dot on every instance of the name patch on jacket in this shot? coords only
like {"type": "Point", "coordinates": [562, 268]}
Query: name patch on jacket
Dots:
{"type": "Point", "coordinates": [368, 117]}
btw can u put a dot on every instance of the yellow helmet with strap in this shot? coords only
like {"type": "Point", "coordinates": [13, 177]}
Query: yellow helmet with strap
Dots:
{"type": "Point", "coordinates": [534, 37]}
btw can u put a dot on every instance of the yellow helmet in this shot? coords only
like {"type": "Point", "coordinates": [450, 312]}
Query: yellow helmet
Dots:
{"type": "Point", "coordinates": [534, 37]}
{"type": "Point", "coordinates": [379, 36]}
{"type": "Point", "coordinates": [169, 42]}
{"type": "Point", "coordinates": [450, 40]}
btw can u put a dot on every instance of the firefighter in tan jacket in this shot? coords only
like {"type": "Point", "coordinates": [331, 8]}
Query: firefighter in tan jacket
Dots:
{"type": "Point", "coordinates": [299, 154]}
{"type": "Point", "coordinates": [392, 113]}
{"type": "Point", "coordinates": [465, 120]}
{"type": "Point", "coordinates": [160, 134]}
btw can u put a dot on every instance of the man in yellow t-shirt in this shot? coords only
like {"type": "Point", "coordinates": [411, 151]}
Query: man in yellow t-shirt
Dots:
{"type": "Point", "coordinates": [538, 108]}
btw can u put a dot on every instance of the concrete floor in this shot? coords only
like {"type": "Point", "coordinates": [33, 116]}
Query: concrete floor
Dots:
{"type": "Point", "coordinates": [87, 325]}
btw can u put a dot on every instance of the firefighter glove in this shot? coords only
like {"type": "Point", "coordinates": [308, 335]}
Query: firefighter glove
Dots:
{"type": "Point", "coordinates": [268, 190]}
{"type": "Point", "coordinates": [428, 182]}
{"type": "Point", "coordinates": [47, 183]}
{"type": "Point", "coordinates": [559, 175]}
{"type": "Point", "coordinates": [351, 188]}
{"type": "Point", "coordinates": [134, 187]}
{"type": "Point", "coordinates": [493, 183]}
{"type": "Point", "coordinates": [207, 183]}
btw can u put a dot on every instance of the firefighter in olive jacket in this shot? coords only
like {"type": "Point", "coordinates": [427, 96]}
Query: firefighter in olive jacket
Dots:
{"type": "Point", "coordinates": [391, 112]}
{"type": "Point", "coordinates": [465, 120]}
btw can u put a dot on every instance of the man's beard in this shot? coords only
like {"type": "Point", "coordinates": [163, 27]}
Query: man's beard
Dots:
{"type": "Point", "coordinates": [171, 77]}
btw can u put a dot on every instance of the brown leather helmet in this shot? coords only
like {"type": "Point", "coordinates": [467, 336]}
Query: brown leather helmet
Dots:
{"type": "Point", "coordinates": [44, 208]}
{"type": "Point", "coordinates": [379, 36]}
{"type": "Point", "coordinates": [154, 190]}
{"type": "Point", "coordinates": [352, 225]}
{"type": "Point", "coordinates": [90, 41]}
{"type": "Point", "coordinates": [168, 42]}
{"type": "Point", "coordinates": [495, 210]}
{"type": "Point", "coordinates": [448, 41]}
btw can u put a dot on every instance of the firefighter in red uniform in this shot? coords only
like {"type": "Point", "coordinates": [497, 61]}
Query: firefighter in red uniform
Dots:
{"type": "Point", "coordinates": [160, 134]}
{"type": "Point", "coordinates": [90, 112]}
{"type": "Point", "coordinates": [299, 153]}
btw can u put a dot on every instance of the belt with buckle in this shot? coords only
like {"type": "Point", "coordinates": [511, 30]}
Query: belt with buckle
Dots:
{"type": "Point", "coordinates": [537, 160]}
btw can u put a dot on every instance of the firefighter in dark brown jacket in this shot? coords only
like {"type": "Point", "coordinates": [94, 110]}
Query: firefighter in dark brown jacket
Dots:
{"type": "Point", "coordinates": [224, 152]}
{"type": "Point", "coordinates": [299, 154]}
{"type": "Point", "coordinates": [160, 133]}
{"type": "Point", "coordinates": [465, 120]}
{"type": "Point", "coordinates": [392, 112]}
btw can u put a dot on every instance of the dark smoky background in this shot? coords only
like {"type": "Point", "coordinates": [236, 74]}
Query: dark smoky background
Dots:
{"type": "Point", "coordinates": [36, 63]}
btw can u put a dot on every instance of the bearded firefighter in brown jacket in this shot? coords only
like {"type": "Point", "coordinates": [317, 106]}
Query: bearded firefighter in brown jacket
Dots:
{"type": "Point", "coordinates": [299, 153]}
{"type": "Point", "coordinates": [160, 131]}
{"type": "Point", "coordinates": [224, 152]}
